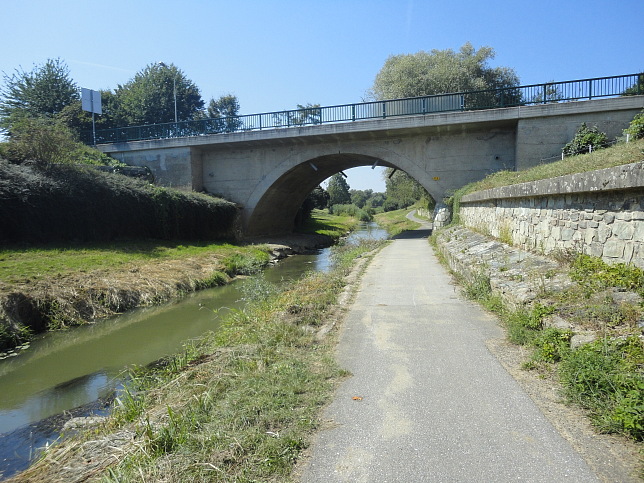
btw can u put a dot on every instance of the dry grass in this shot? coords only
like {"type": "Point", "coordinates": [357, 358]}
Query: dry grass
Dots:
{"type": "Point", "coordinates": [238, 405]}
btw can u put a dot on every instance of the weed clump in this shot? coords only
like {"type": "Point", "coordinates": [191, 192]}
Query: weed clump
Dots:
{"type": "Point", "coordinates": [607, 377]}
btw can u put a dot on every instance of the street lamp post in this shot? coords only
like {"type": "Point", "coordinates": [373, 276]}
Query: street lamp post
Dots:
{"type": "Point", "coordinates": [174, 88]}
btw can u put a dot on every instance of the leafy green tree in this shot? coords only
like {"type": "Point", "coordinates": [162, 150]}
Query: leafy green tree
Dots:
{"type": "Point", "coordinates": [309, 114]}
{"type": "Point", "coordinates": [44, 91]}
{"type": "Point", "coordinates": [222, 114]}
{"type": "Point", "coordinates": [360, 197]}
{"type": "Point", "coordinates": [149, 98]}
{"type": "Point", "coordinates": [375, 200]}
{"type": "Point", "coordinates": [338, 190]}
{"type": "Point", "coordinates": [401, 190]}
{"type": "Point", "coordinates": [318, 198]}
{"type": "Point", "coordinates": [80, 121]}
{"type": "Point", "coordinates": [445, 71]}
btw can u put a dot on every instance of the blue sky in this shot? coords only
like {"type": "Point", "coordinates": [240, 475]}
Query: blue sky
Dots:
{"type": "Point", "coordinates": [276, 54]}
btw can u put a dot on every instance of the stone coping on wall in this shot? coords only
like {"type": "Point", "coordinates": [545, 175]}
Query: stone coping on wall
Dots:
{"type": "Point", "coordinates": [627, 176]}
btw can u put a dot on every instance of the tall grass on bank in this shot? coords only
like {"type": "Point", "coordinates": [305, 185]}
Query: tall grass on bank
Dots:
{"type": "Point", "coordinates": [78, 203]}
{"type": "Point", "coordinates": [617, 155]}
{"type": "Point", "coordinates": [238, 405]}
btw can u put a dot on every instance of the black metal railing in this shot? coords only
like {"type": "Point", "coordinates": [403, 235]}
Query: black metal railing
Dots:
{"type": "Point", "coordinates": [550, 92]}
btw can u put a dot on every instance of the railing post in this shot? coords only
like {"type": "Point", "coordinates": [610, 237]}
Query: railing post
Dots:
{"type": "Point", "coordinates": [353, 112]}
{"type": "Point", "coordinates": [424, 105]}
{"type": "Point", "coordinates": [384, 109]}
{"type": "Point", "coordinates": [590, 89]}
{"type": "Point", "coordinates": [545, 94]}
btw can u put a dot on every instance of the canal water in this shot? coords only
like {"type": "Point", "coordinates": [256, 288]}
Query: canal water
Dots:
{"type": "Point", "coordinates": [61, 371]}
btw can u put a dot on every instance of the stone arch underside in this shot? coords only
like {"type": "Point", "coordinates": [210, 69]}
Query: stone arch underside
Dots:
{"type": "Point", "coordinates": [277, 208]}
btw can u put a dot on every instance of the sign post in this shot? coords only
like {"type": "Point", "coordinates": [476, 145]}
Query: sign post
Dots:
{"type": "Point", "coordinates": [91, 102]}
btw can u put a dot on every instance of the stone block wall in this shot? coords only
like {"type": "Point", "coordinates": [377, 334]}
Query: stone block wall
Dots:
{"type": "Point", "coordinates": [600, 213]}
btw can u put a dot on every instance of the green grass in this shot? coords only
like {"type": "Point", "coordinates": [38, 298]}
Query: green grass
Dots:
{"type": "Point", "coordinates": [21, 264]}
{"type": "Point", "coordinates": [622, 153]}
{"type": "Point", "coordinates": [322, 223]}
{"type": "Point", "coordinates": [395, 222]}
{"type": "Point", "coordinates": [238, 405]}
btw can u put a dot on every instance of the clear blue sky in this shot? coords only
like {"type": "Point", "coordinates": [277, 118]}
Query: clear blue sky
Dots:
{"type": "Point", "coordinates": [276, 54]}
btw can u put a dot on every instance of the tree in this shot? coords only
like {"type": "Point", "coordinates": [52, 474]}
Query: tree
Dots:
{"type": "Point", "coordinates": [401, 190]}
{"type": "Point", "coordinates": [223, 113]}
{"type": "Point", "coordinates": [445, 71]}
{"type": "Point", "coordinates": [360, 197]}
{"type": "Point", "coordinates": [338, 190]}
{"type": "Point", "coordinates": [149, 98]}
{"type": "Point", "coordinates": [80, 121]}
{"type": "Point", "coordinates": [549, 93]}
{"type": "Point", "coordinates": [309, 114]}
{"type": "Point", "coordinates": [318, 198]}
{"type": "Point", "coordinates": [43, 92]}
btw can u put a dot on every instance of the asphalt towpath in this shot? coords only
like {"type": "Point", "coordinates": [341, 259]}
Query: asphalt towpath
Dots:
{"type": "Point", "coordinates": [426, 400]}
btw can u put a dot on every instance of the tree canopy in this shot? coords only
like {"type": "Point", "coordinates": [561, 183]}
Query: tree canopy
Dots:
{"type": "Point", "coordinates": [149, 98]}
{"type": "Point", "coordinates": [43, 92]}
{"type": "Point", "coordinates": [439, 72]}
{"type": "Point", "coordinates": [338, 190]}
{"type": "Point", "coordinates": [223, 112]}
{"type": "Point", "coordinates": [402, 190]}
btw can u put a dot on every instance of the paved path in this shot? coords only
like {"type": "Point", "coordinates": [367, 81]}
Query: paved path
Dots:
{"type": "Point", "coordinates": [436, 405]}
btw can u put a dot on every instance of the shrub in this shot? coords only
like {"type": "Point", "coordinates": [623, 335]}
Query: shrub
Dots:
{"type": "Point", "coordinates": [351, 210]}
{"type": "Point", "coordinates": [636, 127]}
{"type": "Point", "coordinates": [607, 378]}
{"type": "Point", "coordinates": [585, 140]}
{"type": "Point", "coordinates": [66, 203]}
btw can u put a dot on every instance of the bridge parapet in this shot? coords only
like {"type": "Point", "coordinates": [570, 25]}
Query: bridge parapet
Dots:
{"type": "Point", "coordinates": [535, 94]}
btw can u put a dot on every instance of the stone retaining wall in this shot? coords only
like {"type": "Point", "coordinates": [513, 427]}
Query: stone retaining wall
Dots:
{"type": "Point", "coordinates": [600, 213]}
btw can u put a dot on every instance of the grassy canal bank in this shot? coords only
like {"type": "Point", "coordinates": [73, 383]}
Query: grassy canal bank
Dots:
{"type": "Point", "coordinates": [237, 405]}
{"type": "Point", "coordinates": [52, 287]}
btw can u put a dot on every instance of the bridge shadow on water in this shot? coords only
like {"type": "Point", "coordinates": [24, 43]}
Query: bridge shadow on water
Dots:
{"type": "Point", "coordinates": [413, 234]}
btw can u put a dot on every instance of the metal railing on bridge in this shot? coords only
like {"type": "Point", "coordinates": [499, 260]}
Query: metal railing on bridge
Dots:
{"type": "Point", "coordinates": [550, 92]}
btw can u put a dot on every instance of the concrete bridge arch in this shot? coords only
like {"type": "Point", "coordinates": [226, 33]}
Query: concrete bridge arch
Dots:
{"type": "Point", "coordinates": [273, 204]}
{"type": "Point", "coordinates": [268, 173]}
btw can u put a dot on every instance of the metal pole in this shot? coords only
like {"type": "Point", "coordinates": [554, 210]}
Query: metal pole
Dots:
{"type": "Point", "coordinates": [91, 97]}
{"type": "Point", "coordinates": [175, 97]}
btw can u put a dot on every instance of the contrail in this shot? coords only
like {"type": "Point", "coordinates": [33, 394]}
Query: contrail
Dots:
{"type": "Point", "coordinates": [101, 66]}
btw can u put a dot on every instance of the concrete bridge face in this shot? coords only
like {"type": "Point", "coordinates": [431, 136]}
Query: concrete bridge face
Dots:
{"type": "Point", "coordinates": [270, 173]}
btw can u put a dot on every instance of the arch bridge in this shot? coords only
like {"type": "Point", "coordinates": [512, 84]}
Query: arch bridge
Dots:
{"type": "Point", "coordinates": [269, 172]}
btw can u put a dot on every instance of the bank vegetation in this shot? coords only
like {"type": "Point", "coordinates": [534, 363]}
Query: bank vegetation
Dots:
{"type": "Point", "coordinates": [241, 404]}
{"type": "Point", "coordinates": [586, 334]}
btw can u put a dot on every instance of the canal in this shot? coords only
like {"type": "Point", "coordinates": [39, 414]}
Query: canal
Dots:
{"type": "Point", "coordinates": [64, 374]}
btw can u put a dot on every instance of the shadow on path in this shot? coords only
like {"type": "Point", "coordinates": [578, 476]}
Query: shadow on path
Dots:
{"type": "Point", "coordinates": [413, 234]}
